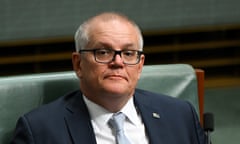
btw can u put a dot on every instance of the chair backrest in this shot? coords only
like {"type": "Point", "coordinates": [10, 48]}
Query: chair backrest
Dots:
{"type": "Point", "coordinates": [20, 94]}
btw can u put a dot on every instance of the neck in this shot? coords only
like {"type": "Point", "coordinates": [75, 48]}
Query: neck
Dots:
{"type": "Point", "coordinates": [111, 103]}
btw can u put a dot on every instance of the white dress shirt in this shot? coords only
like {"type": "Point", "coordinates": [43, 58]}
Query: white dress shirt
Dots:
{"type": "Point", "coordinates": [133, 125]}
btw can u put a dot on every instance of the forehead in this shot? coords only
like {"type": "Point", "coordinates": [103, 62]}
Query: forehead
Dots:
{"type": "Point", "coordinates": [113, 30]}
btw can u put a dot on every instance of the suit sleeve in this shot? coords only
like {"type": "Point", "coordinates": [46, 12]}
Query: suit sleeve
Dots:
{"type": "Point", "coordinates": [199, 132]}
{"type": "Point", "coordinates": [22, 133]}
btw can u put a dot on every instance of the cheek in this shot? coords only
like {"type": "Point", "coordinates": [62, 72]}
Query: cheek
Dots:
{"type": "Point", "coordinates": [91, 72]}
{"type": "Point", "coordinates": [134, 75]}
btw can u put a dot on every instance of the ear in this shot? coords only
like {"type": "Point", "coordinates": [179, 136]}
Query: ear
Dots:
{"type": "Point", "coordinates": [76, 60]}
{"type": "Point", "coordinates": [140, 65]}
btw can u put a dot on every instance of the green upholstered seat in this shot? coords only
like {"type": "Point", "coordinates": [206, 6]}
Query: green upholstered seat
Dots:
{"type": "Point", "coordinates": [20, 94]}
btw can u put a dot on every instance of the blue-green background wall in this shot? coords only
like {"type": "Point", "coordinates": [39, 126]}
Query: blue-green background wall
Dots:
{"type": "Point", "coordinates": [22, 19]}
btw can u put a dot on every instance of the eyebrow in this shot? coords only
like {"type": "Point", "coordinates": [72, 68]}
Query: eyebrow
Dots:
{"type": "Point", "coordinates": [103, 44]}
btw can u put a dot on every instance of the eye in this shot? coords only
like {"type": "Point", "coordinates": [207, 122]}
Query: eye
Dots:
{"type": "Point", "coordinates": [129, 53]}
{"type": "Point", "coordinates": [103, 52]}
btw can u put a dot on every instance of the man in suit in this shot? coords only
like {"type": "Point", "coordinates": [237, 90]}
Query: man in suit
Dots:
{"type": "Point", "coordinates": [108, 61]}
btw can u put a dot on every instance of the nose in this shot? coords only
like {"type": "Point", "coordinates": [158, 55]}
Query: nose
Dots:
{"type": "Point", "coordinates": [117, 58]}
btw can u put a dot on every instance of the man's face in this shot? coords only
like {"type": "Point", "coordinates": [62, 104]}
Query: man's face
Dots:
{"type": "Point", "coordinates": [114, 79]}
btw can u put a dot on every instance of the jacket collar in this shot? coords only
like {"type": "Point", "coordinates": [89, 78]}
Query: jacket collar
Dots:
{"type": "Point", "coordinates": [79, 123]}
{"type": "Point", "coordinates": [153, 119]}
{"type": "Point", "coordinates": [78, 120]}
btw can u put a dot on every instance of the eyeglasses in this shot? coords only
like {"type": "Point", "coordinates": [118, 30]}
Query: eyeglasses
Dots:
{"type": "Point", "coordinates": [129, 57]}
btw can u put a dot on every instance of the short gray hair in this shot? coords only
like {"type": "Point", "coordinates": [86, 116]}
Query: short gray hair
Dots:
{"type": "Point", "coordinates": [82, 34]}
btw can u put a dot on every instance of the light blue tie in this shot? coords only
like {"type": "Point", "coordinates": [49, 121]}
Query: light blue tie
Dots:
{"type": "Point", "coordinates": [116, 122]}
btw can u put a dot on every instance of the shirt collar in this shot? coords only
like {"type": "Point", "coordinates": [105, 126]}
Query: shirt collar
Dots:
{"type": "Point", "coordinates": [98, 114]}
{"type": "Point", "coordinates": [101, 116]}
{"type": "Point", "coordinates": [130, 111]}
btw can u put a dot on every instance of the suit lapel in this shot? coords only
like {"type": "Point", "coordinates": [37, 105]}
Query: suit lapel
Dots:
{"type": "Point", "coordinates": [153, 119]}
{"type": "Point", "coordinates": [78, 121]}
{"type": "Point", "coordinates": [81, 132]}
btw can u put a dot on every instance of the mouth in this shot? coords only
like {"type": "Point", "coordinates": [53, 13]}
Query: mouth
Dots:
{"type": "Point", "coordinates": [115, 77]}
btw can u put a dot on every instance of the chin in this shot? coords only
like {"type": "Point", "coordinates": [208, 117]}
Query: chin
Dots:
{"type": "Point", "coordinates": [117, 89]}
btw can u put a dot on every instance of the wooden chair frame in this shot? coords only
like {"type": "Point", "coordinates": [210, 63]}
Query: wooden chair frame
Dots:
{"type": "Point", "coordinates": [200, 82]}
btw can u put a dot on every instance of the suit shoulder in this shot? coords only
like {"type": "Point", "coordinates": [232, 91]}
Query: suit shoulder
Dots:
{"type": "Point", "coordinates": [160, 100]}
{"type": "Point", "coordinates": [156, 96]}
{"type": "Point", "coordinates": [52, 109]}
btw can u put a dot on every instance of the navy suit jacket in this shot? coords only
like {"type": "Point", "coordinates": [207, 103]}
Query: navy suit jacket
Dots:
{"type": "Point", "coordinates": [67, 121]}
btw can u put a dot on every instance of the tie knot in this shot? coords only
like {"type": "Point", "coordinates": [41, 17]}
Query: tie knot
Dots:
{"type": "Point", "coordinates": [117, 121]}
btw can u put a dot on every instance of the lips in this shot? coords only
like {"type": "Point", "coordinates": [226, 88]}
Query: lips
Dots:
{"type": "Point", "coordinates": [115, 76]}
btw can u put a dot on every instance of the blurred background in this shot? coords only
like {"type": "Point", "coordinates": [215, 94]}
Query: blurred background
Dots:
{"type": "Point", "coordinates": [36, 36]}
